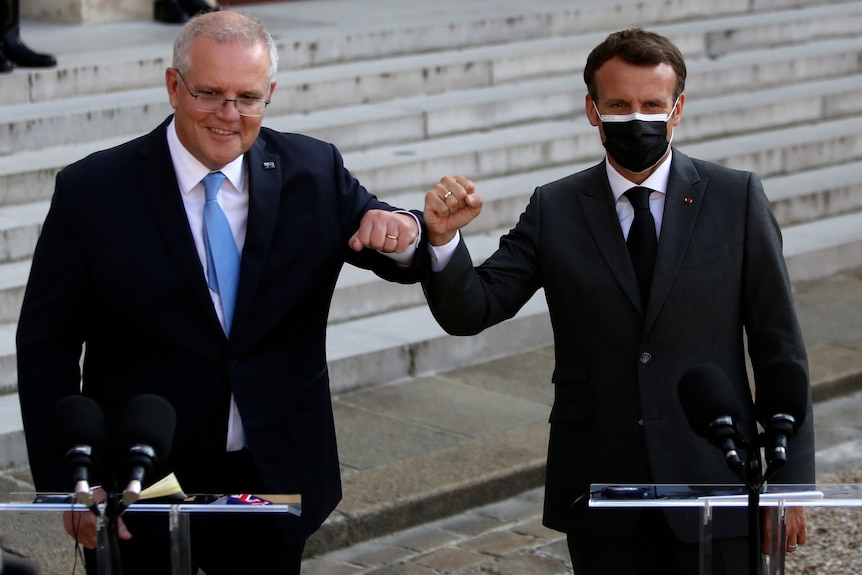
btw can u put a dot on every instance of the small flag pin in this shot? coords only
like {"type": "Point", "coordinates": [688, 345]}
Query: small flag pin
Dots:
{"type": "Point", "coordinates": [269, 165]}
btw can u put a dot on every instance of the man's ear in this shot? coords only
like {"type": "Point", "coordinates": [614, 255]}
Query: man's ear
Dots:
{"type": "Point", "coordinates": [172, 82]}
{"type": "Point", "coordinates": [592, 114]}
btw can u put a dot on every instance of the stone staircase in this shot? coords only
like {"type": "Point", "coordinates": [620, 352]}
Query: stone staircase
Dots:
{"type": "Point", "coordinates": [774, 86]}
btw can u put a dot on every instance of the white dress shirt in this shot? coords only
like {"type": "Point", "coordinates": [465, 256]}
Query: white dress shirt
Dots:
{"type": "Point", "coordinates": [233, 198]}
{"type": "Point", "coordinates": [657, 181]}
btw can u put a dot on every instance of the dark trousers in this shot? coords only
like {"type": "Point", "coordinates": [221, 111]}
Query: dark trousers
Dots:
{"type": "Point", "coordinates": [221, 544]}
{"type": "Point", "coordinates": [653, 549]}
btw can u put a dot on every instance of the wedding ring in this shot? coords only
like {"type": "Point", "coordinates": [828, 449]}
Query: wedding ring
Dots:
{"type": "Point", "coordinates": [792, 547]}
{"type": "Point", "coordinates": [391, 237]}
{"type": "Point", "coordinates": [446, 197]}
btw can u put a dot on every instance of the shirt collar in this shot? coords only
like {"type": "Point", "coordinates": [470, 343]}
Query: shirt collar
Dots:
{"type": "Point", "coordinates": [190, 171]}
{"type": "Point", "coordinates": [656, 181]}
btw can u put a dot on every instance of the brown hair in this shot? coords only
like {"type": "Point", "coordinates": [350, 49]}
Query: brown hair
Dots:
{"type": "Point", "coordinates": [638, 47]}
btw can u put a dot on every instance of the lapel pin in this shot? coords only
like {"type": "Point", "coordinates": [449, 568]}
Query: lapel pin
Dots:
{"type": "Point", "coordinates": [269, 165]}
{"type": "Point", "coordinates": [689, 201]}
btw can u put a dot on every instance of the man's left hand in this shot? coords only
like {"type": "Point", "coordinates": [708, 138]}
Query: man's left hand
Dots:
{"type": "Point", "coordinates": [797, 529]}
{"type": "Point", "coordinates": [388, 232]}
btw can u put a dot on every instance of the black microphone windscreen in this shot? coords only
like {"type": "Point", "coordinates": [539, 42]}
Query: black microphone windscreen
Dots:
{"type": "Point", "coordinates": [781, 386]}
{"type": "Point", "coordinates": [13, 567]}
{"type": "Point", "coordinates": [705, 394]}
{"type": "Point", "coordinates": [78, 420]}
{"type": "Point", "coordinates": [149, 420]}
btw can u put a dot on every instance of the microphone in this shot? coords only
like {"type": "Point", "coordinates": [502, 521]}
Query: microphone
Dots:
{"type": "Point", "coordinates": [781, 403]}
{"type": "Point", "coordinates": [708, 402]}
{"type": "Point", "coordinates": [14, 567]}
{"type": "Point", "coordinates": [146, 433]}
{"type": "Point", "coordinates": [79, 428]}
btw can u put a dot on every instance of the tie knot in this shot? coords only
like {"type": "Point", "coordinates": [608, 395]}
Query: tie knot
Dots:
{"type": "Point", "coordinates": [639, 197]}
{"type": "Point", "coordinates": [212, 184]}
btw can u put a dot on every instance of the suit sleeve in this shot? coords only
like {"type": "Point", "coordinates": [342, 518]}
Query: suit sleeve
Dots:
{"type": "Point", "coordinates": [50, 333]}
{"type": "Point", "coordinates": [771, 324]}
{"type": "Point", "coordinates": [354, 201]}
{"type": "Point", "coordinates": [466, 300]}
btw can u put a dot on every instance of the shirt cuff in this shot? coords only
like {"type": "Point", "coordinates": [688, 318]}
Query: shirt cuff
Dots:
{"type": "Point", "coordinates": [441, 255]}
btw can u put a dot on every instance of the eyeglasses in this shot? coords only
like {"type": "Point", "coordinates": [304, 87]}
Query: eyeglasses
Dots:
{"type": "Point", "coordinates": [211, 103]}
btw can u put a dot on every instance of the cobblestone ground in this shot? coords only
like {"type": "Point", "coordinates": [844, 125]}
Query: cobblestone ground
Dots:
{"type": "Point", "coordinates": [508, 538]}
{"type": "Point", "coordinates": [505, 538]}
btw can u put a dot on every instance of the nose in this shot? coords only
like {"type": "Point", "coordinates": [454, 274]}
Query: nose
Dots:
{"type": "Point", "coordinates": [229, 110]}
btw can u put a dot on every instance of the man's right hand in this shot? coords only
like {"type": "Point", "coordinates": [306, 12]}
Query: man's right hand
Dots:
{"type": "Point", "coordinates": [81, 525]}
{"type": "Point", "coordinates": [449, 206]}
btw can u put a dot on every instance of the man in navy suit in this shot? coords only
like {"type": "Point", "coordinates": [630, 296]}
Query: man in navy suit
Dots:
{"type": "Point", "coordinates": [625, 334]}
{"type": "Point", "coordinates": [121, 270]}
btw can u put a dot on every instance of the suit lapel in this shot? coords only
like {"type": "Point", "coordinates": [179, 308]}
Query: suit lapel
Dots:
{"type": "Point", "coordinates": [158, 183]}
{"type": "Point", "coordinates": [264, 188]}
{"type": "Point", "coordinates": [681, 207]}
{"type": "Point", "coordinates": [597, 203]}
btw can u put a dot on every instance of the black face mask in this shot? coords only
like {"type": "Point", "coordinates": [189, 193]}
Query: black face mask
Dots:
{"type": "Point", "coordinates": [637, 142]}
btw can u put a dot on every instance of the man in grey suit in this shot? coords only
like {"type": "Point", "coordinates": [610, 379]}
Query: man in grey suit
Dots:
{"type": "Point", "coordinates": [625, 333]}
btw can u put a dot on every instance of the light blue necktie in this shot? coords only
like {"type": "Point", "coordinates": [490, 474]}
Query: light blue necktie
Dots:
{"type": "Point", "coordinates": [222, 255]}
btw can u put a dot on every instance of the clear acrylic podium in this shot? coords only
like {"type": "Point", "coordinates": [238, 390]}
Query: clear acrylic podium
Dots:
{"type": "Point", "coordinates": [710, 497]}
{"type": "Point", "coordinates": [177, 514]}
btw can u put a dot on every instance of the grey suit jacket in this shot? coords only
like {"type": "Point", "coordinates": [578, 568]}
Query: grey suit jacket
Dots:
{"type": "Point", "coordinates": [719, 276]}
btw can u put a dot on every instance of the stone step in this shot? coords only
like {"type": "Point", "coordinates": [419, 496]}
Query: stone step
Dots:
{"type": "Point", "coordinates": [28, 175]}
{"type": "Point", "coordinates": [13, 448]}
{"type": "Point", "coordinates": [481, 155]}
{"type": "Point", "coordinates": [35, 126]}
{"type": "Point", "coordinates": [814, 194]}
{"type": "Point", "coordinates": [824, 247]}
{"type": "Point", "coordinates": [135, 110]}
{"type": "Point", "coordinates": [784, 26]}
{"type": "Point", "coordinates": [85, 67]}
{"type": "Point", "coordinates": [431, 117]}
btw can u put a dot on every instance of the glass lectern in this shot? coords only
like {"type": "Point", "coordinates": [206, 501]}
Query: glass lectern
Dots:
{"type": "Point", "coordinates": [177, 514]}
{"type": "Point", "coordinates": [709, 497]}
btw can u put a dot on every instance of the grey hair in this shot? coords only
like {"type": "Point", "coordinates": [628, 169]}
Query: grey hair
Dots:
{"type": "Point", "coordinates": [223, 27]}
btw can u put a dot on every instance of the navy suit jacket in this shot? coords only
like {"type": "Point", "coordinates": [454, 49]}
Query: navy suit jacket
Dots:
{"type": "Point", "coordinates": [116, 270]}
{"type": "Point", "coordinates": [719, 276]}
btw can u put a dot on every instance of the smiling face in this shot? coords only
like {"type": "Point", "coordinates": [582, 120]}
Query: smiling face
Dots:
{"type": "Point", "coordinates": [232, 70]}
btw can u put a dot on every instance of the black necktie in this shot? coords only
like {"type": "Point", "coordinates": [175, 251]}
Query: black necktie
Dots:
{"type": "Point", "coordinates": [642, 241]}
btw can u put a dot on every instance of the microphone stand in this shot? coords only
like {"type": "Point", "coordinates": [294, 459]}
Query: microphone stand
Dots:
{"type": "Point", "coordinates": [108, 540]}
{"type": "Point", "coordinates": [753, 484]}
{"type": "Point", "coordinates": [752, 477]}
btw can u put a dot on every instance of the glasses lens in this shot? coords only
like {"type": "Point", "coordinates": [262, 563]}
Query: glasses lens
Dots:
{"type": "Point", "coordinates": [209, 103]}
{"type": "Point", "coordinates": [249, 107]}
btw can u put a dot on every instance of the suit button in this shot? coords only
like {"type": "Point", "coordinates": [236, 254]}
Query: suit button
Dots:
{"type": "Point", "coordinates": [645, 357]}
